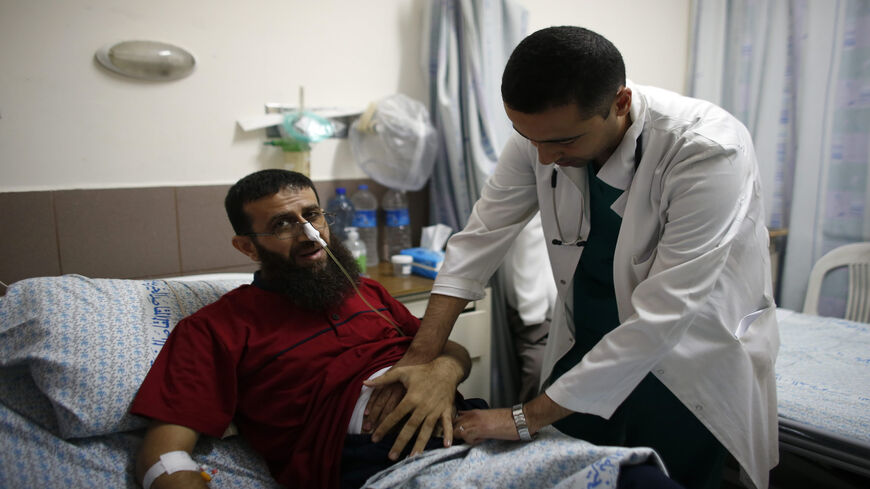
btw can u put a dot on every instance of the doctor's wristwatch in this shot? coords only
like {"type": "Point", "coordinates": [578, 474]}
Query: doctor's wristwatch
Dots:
{"type": "Point", "coordinates": [520, 422]}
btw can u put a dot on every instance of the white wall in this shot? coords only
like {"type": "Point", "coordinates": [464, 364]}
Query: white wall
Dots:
{"type": "Point", "coordinates": [653, 36]}
{"type": "Point", "coordinates": [65, 122]}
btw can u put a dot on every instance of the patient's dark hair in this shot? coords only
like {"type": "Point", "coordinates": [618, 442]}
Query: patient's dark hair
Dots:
{"type": "Point", "coordinates": [562, 65]}
{"type": "Point", "coordinates": [256, 186]}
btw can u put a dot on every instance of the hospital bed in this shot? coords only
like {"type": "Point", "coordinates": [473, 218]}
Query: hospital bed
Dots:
{"type": "Point", "coordinates": [823, 389]}
{"type": "Point", "coordinates": [73, 351]}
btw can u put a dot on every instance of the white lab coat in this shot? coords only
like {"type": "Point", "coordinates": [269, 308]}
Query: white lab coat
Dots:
{"type": "Point", "coordinates": [691, 266]}
{"type": "Point", "coordinates": [528, 281]}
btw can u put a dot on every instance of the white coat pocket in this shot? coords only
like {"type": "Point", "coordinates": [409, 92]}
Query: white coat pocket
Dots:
{"type": "Point", "coordinates": [747, 321]}
{"type": "Point", "coordinates": [641, 264]}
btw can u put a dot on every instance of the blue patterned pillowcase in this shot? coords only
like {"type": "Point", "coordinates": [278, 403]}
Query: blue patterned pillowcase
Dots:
{"type": "Point", "coordinates": [73, 350]}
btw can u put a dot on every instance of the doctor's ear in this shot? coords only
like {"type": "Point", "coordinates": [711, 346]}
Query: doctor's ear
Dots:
{"type": "Point", "coordinates": [623, 101]}
{"type": "Point", "coordinates": [246, 246]}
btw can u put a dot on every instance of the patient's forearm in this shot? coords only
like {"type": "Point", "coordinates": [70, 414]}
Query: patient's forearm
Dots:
{"type": "Point", "coordinates": [164, 438]}
{"type": "Point", "coordinates": [441, 314]}
{"type": "Point", "coordinates": [184, 479]}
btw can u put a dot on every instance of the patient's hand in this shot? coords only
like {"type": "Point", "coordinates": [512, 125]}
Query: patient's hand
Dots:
{"type": "Point", "coordinates": [485, 424]}
{"type": "Point", "coordinates": [431, 389]}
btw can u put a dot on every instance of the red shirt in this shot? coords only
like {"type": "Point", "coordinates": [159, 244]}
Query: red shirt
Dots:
{"type": "Point", "coordinates": [287, 376]}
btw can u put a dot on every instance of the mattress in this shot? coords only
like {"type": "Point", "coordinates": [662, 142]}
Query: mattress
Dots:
{"type": "Point", "coordinates": [823, 389]}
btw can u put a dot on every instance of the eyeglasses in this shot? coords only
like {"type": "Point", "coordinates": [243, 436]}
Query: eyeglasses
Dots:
{"type": "Point", "coordinates": [286, 229]}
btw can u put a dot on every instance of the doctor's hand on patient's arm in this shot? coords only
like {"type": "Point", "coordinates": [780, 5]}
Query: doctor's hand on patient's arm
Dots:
{"type": "Point", "coordinates": [164, 438]}
{"type": "Point", "coordinates": [428, 402]}
{"type": "Point", "coordinates": [498, 424]}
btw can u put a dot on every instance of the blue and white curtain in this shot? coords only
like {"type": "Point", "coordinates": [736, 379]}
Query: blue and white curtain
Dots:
{"type": "Point", "coordinates": [466, 45]}
{"type": "Point", "coordinates": [797, 74]}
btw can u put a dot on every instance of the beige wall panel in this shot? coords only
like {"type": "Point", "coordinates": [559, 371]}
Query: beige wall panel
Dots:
{"type": "Point", "coordinates": [205, 234]}
{"type": "Point", "coordinates": [28, 242]}
{"type": "Point", "coordinates": [117, 233]}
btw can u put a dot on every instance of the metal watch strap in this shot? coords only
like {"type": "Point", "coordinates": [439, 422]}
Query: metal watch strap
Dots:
{"type": "Point", "coordinates": [520, 422]}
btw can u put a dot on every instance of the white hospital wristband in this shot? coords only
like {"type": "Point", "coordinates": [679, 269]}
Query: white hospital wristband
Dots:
{"type": "Point", "coordinates": [169, 463]}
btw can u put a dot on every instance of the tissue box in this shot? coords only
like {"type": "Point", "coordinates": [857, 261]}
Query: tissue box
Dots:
{"type": "Point", "coordinates": [426, 262]}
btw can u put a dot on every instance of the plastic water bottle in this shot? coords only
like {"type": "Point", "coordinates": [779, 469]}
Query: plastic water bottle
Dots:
{"type": "Point", "coordinates": [365, 219]}
{"type": "Point", "coordinates": [397, 222]}
{"type": "Point", "coordinates": [356, 247]}
{"type": "Point", "coordinates": [343, 209]}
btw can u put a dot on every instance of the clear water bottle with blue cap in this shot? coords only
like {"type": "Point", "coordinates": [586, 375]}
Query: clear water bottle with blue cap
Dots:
{"type": "Point", "coordinates": [344, 212]}
{"type": "Point", "coordinates": [397, 222]}
{"type": "Point", "coordinates": [365, 220]}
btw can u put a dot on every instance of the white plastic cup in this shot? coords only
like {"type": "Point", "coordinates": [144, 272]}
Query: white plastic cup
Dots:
{"type": "Point", "coordinates": [401, 265]}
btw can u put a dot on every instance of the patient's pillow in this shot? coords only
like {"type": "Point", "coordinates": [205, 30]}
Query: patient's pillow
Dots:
{"type": "Point", "coordinates": [73, 350]}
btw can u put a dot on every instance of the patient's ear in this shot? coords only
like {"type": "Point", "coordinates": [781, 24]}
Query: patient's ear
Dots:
{"type": "Point", "coordinates": [246, 246]}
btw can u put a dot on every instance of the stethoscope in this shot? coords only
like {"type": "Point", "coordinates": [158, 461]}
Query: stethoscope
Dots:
{"type": "Point", "coordinates": [638, 152]}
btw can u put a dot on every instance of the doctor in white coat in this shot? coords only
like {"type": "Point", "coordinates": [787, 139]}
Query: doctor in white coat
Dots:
{"type": "Point", "coordinates": [664, 333]}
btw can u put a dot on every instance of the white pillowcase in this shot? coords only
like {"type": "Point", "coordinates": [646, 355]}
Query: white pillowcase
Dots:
{"type": "Point", "coordinates": [74, 350]}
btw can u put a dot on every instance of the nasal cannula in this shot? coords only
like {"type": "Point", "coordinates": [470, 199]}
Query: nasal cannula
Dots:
{"type": "Point", "coordinates": [314, 235]}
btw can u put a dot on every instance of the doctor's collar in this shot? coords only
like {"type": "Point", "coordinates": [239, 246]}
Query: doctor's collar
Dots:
{"type": "Point", "coordinates": [618, 170]}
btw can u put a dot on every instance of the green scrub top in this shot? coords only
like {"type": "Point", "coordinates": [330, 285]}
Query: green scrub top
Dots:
{"type": "Point", "coordinates": [595, 311]}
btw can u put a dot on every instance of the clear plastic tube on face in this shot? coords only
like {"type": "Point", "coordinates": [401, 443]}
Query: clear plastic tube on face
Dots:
{"type": "Point", "coordinates": [314, 235]}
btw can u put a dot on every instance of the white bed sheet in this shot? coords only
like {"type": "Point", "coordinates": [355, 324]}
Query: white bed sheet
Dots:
{"type": "Point", "coordinates": [35, 457]}
{"type": "Point", "coordinates": [823, 389]}
{"type": "Point", "coordinates": [823, 373]}
{"type": "Point", "coordinates": [73, 351]}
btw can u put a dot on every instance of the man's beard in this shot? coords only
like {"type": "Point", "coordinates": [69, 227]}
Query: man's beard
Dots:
{"type": "Point", "coordinates": [316, 288]}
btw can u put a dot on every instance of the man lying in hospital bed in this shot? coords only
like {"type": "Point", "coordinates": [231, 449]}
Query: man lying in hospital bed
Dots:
{"type": "Point", "coordinates": [286, 357]}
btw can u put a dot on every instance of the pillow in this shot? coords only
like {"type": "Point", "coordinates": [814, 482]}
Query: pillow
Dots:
{"type": "Point", "coordinates": [74, 350]}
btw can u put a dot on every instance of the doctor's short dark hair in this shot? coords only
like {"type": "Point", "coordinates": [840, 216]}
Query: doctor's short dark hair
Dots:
{"type": "Point", "coordinates": [562, 65]}
{"type": "Point", "coordinates": [256, 186]}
